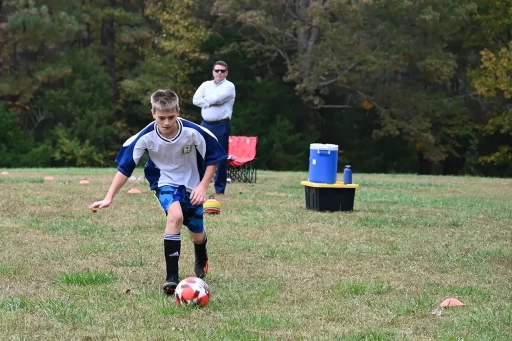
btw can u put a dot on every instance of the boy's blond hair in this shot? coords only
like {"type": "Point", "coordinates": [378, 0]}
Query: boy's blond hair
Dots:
{"type": "Point", "coordinates": [165, 100]}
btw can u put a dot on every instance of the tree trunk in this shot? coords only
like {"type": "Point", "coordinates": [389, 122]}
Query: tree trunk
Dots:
{"type": "Point", "coordinates": [108, 42]}
{"type": "Point", "coordinates": [424, 166]}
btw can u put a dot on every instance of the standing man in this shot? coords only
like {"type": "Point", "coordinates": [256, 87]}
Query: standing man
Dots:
{"type": "Point", "coordinates": [216, 99]}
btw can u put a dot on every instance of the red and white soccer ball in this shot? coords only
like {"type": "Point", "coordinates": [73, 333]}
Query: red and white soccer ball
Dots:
{"type": "Point", "coordinates": [192, 291]}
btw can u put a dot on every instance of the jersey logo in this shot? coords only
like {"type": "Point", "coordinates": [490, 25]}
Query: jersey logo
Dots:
{"type": "Point", "coordinates": [186, 149]}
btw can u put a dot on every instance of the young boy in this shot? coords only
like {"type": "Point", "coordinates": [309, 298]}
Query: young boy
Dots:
{"type": "Point", "coordinates": [182, 161]}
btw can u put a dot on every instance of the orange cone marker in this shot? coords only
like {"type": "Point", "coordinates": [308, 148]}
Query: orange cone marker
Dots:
{"type": "Point", "coordinates": [451, 302]}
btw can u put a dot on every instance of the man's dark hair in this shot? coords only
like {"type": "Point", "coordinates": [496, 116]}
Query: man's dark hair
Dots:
{"type": "Point", "coordinates": [220, 62]}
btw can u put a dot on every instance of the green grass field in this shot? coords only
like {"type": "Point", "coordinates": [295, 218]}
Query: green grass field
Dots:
{"type": "Point", "coordinates": [277, 270]}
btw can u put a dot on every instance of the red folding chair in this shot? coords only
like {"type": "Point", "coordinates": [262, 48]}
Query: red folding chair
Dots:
{"type": "Point", "coordinates": [242, 156]}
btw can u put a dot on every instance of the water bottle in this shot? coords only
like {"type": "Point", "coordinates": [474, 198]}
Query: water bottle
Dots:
{"type": "Point", "coordinates": [347, 175]}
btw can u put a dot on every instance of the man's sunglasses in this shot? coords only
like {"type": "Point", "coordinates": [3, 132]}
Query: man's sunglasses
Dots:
{"type": "Point", "coordinates": [221, 71]}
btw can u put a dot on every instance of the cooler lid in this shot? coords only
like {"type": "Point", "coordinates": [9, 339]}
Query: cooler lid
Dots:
{"type": "Point", "coordinates": [338, 184]}
{"type": "Point", "coordinates": [322, 146]}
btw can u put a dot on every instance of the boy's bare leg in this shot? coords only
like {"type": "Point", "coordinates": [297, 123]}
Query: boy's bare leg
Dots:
{"type": "Point", "coordinates": [172, 247]}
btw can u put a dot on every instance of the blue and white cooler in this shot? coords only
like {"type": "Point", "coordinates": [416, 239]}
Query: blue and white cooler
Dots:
{"type": "Point", "coordinates": [323, 163]}
{"type": "Point", "coordinates": [322, 191]}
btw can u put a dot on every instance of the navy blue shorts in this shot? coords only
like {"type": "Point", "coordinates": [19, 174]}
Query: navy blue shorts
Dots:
{"type": "Point", "coordinates": [192, 214]}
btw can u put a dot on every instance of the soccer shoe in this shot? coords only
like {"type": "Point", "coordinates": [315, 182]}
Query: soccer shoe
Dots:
{"type": "Point", "coordinates": [169, 286]}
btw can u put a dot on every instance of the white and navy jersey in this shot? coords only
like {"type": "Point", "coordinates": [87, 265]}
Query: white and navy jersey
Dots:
{"type": "Point", "coordinates": [181, 160]}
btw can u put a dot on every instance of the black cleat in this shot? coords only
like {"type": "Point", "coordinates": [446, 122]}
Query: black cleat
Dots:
{"type": "Point", "coordinates": [170, 286]}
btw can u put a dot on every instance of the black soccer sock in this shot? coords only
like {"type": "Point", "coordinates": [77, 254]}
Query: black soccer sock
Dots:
{"type": "Point", "coordinates": [200, 250]}
{"type": "Point", "coordinates": [172, 249]}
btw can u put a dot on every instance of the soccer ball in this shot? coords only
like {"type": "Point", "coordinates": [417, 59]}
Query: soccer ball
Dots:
{"type": "Point", "coordinates": [192, 291]}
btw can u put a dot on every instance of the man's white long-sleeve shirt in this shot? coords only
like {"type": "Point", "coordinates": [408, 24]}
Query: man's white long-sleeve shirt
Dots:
{"type": "Point", "coordinates": [215, 100]}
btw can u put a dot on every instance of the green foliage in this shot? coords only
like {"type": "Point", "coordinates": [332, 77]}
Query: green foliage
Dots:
{"type": "Point", "coordinates": [400, 86]}
{"type": "Point", "coordinates": [391, 56]}
{"type": "Point", "coordinates": [17, 147]}
{"type": "Point", "coordinates": [69, 150]}
{"type": "Point", "coordinates": [358, 147]}
{"type": "Point", "coordinates": [271, 111]}
{"type": "Point", "coordinates": [13, 142]}
{"type": "Point", "coordinates": [492, 80]}
{"type": "Point", "coordinates": [157, 71]}
{"type": "Point", "coordinates": [494, 74]}
{"type": "Point", "coordinates": [32, 38]}
{"type": "Point", "coordinates": [173, 49]}
{"type": "Point", "coordinates": [84, 129]}
{"type": "Point", "coordinates": [168, 58]}
{"type": "Point", "coordinates": [491, 23]}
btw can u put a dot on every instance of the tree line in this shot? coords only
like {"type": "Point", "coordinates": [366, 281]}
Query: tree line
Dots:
{"type": "Point", "coordinates": [399, 85]}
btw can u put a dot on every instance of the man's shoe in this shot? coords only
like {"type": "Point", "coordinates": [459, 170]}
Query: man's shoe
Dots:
{"type": "Point", "coordinates": [169, 286]}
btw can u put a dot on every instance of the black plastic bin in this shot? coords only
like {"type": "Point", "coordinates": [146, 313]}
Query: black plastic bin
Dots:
{"type": "Point", "coordinates": [327, 197]}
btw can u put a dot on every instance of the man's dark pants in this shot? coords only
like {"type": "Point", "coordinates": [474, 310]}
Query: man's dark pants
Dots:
{"type": "Point", "coordinates": [222, 130]}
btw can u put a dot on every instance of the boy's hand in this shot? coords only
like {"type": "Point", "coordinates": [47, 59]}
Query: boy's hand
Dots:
{"type": "Point", "coordinates": [99, 204]}
{"type": "Point", "coordinates": [198, 195]}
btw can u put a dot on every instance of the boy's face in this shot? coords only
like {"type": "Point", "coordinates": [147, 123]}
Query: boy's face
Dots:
{"type": "Point", "coordinates": [166, 120]}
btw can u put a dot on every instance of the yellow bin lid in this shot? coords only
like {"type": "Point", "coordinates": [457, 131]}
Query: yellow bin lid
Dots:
{"type": "Point", "coordinates": [338, 184]}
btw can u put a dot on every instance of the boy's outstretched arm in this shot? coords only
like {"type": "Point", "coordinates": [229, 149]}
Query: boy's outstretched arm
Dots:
{"type": "Point", "coordinates": [198, 195]}
{"type": "Point", "coordinates": [118, 182]}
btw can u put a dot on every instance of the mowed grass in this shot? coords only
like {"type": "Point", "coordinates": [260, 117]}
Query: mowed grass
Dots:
{"type": "Point", "coordinates": [277, 270]}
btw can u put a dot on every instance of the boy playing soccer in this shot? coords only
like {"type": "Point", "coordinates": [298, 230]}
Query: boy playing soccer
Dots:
{"type": "Point", "coordinates": [183, 157]}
